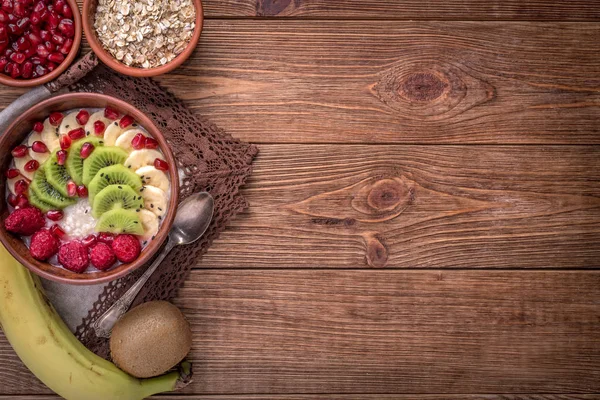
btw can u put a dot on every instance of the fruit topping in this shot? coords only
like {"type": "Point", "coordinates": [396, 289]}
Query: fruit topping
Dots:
{"type": "Point", "coordinates": [57, 175]}
{"type": "Point", "coordinates": [32, 165]}
{"type": "Point", "coordinates": [102, 256]}
{"type": "Point", "coordinates": [42, 189]}
{"type": "Point", "coordinates": [126, 121]}
{"type": "Point", "coordinates": [57, 231]}
{"type": "Point", "coordinates": [71, 189]}
{"type": "Point", "coordinates": [100, 158]}
{"type": "Point", "coordinates": [77, 134]}
{"type": "Point", "coordinates": [151, 143]}
{"type": "Point", "coordinates": [56, 117]}
{"type": "Point", "coordinates": [114, 175]}
{"type": "Point", "coordinates": [83, 117]}
{"type": "Point", "coordinates": [127, 248]}
{"type": "Point", "coordinates": [99, 128]}
{"type": "Point", "coordinates": [139, 141]}
{"type": "Point", "coordinates": [89, 241]}
{"type": "Point", "coordinates": [25, 221]}
{"type": "Point", "coordinates": [19, 151]}
{"type": "Point", "coordinates": [21, 186]}
{"type": "Point", "coordinates": [22, 201]}
{"type": "Point", "coordinates": [82, 191]}
{"type": "Point", "coordinates": [61, 157]}
{"type": "Point", "coordinates": [38, 127]}
{"type": "Point", "coordinates": [111, 113]}
{"type": "Point", "coordinates": [65, 142]}
{"type": "Point", "coordinates": [86, 150]}
{"type": "Point", "coordinates": [106, 237]}
{"type": "Point", "coordinates": [55, 215]}
{"type": "Point", "coordinates": [120, 221]}
{"type": "Point", "coordinates": [43, 245]}
{"type": "Point", "coordinates": [73, 256]}
{"type": "Point", "coordinates": [161, 165]}
{"type": "Point", "coordinates": [39, 147]}
{"type": "Point", "coordinates": [74, 162]}
{"type": "Point", "coordinates": [12, 173]}
{"type": "Point", "coordinates": [114, 197]}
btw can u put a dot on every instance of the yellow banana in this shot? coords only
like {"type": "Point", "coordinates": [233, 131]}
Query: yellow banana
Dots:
{"type": "Point", "coordinates": [49, 349]}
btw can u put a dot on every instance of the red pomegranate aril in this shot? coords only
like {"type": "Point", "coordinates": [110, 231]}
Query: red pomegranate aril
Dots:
{"type": "Point", "coordinates": [19, 58]}
{"type": "Point", "coordinates": [45, 35]}
{"type": "Point", "coordinates": [23, 23]}
{"type": "Point", "coordinates": [66, 48]}
{"type": "Point", "coordinates": [161, 165]}
{"type": "Point", "coordinates": [12, 18]}
{"type": "Point", "coordinates": [38, 127]}
{"type": "Point", "coordinates": [30, 52]}
{"type": "Point", "coordinates": [76, 134]}
{"type": "Point", "coordinates": [19, 9]}
{"type": "Point", "coordinates": [7, 5]}
{"type": "Point", "coordinates": [34, 39]}
{"type": "Point", "coordinates": [51, 66]}
{"type": "Point", "coordinates": [67, 12]}
{"type": "Point", "coordinates": [57, 39]}
{"type": "Point", "coordinates": [126, 121]}
{"type": "Point", "coordinates": [32, 165]}
{"type": "Point", "coordinates": [16, 71]}
{"type": "Point", "coordinates": [57, 231]}
{"type": "Point", "coordinates": [99, 128]}
{"type": "Point", "coordinates": [23, 43]}
{"type": "Point", "coordinates": [36, 60]}
{"type": "Point", "coordinates": [19, 151]}
{"type": "Point", "coordinates": [14, 29]}
{"type": "Point", "coordinates": [55, 215]}
{"type": "Point", "coordinates": [56, 118]}
{"type": "Point", "coordinates": [39, 147]}
{"type": "Point", "coordinates": [82, 117]}
{"type": "Point", "coordinates": [42, 51]}
{"type": "Point", "coordinates": [53, 19]}
{"type": "Point", "coordinates": [40, 70]}
{"type": "Point", "coordinates": [22, 201]}
{"type": "Point", "coordinates": [3, 16]}
{"type": "Point", "coordinates": [39, 6]}
{"type": "Point", "coordinates": [12, 173]}
{"type": "Point", "coordinates": [36, 19]}
{"type": "Point", "coordinates": [71, 189]}
{"type": "Point", "coordinates": [21, 186]}
{"type": "Point", "coordinates": [8, 52]}
{"type": "Point", "coordinates": [65, 142]}
{"type": "Point", "coordinates": [86, 150]}
{"type": "Point", "coordinates": [106, 237]}
{"type": "Point", "coordinates": [3, 44]}
{"type": "Point", "coordinates": [151, 143]}
{"type": "Point", "coordinates": [12, 200]}
{"type": "Point", "coordinates": [89, 241]}
{"type": "Point", "coordinates": [66, 27]}
{"type": "Point", "coordinates": [49, 46]}
{"type": "Point", "coordinates": [56, 58]}
{"type": "Point", "coordinates": [61, 157]}
{"type": "Point", "coordinates": [111, 113]}
{"type": "Point", "coordinates": [138, 142]}
{"type": "Point", "coordinates": [8, 68]}
{"type": "Point", "coordinates": [82, 191]}
{"type": "Point", "coordinates": [27, 70]}
{"type": "Point", "coordinates": [58, 4]}
{"type": "Point", "coordinates": [3, 31]}
{"type": "Point", "coordinates": [3, 63]}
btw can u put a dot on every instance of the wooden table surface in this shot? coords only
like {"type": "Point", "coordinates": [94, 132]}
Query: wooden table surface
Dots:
{"type": "Point", "coordinates": [424, 216]}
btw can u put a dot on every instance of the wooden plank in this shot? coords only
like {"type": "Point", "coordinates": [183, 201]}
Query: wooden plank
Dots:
{"type": "Point", "coordinates": [466, 10]}
{"type": "Point", "coordinates": [342, 206]}
{"type": "Point", "coordinates": [368, 331]}
{"type": "Point", "coordinates": [361, 396]}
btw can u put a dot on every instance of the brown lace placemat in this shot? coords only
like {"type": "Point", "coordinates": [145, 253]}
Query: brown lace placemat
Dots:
{"type": "Point", "coordinates": [209, 159]}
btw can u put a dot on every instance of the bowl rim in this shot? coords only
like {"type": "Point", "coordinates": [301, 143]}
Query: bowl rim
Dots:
{"type": "Point", "coordinates": [77, 21]}
{"type": "Point", "coordinates": [151, 249]}
{"type": "Point", "coordinates": [109, 60]}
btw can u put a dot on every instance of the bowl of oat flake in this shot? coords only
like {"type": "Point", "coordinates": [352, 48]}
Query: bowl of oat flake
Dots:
{"type": "Point", "coordinates": [143, 38]}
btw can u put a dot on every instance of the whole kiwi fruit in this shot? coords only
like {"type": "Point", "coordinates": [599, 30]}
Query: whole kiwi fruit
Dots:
{"type": "Point", "coordinates": [150, 339]}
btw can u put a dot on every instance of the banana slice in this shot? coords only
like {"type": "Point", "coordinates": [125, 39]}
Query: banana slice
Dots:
{"type": "Point", "coordinates": [140, 158]}
{"type": "Point", "coordinates": [97, 116]}
{"type": "Point", "coordinates": [149, 222]}
{"type": "Point", "coordinates": [155, 200]}
{"type": "Point", "coordinates": [112, 133]}
{"type": "Point", "coordinates": [50, 136]}
{"type": "Point", "coordinates": [124, 141]}
{"type": "Point", "coordinates": [41, 157]}
{"type": "Point", "coordinates": [153, 177]}
{"type": "Point", "coordinates": [11, 183]}
{"type": "Point", "coordinates": [20, 165]}
{"type": "Point", "coordinates": [34, 137]}
{"type": "Point", "coordinates": [69, 123]}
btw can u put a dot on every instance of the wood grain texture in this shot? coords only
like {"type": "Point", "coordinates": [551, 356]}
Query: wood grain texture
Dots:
{"type": "Point", "coordinates": [344, 206]}
{"type": "Point", "coordinates": [397, 82]}
{"type": "Point", "coordinates": [465, 10]}
{"type": "Point", "coordinates": [287, 332]}
{"type": "Point", "coordinates": [175, 396]}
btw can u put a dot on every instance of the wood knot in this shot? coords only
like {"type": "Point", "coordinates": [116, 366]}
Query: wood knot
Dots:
{"type": "Point", "coordinates": [387, 194]}
{"type": "Point", "coordinates": [377, 253]}
{"type": "Point", "coordinates": [422, 86]}
{"type": "Point", "coordinates": [271, 8]}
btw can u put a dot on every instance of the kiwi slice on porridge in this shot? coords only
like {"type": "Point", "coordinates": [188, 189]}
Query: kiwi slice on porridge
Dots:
{"type": "Point", "coordinates": [114, 175]}
{"type": "Point", "coordinates": [102, 157]}
{"type": "Point", "coordinates": [57, 175]}
{"type": "Point", "coordinates": [116, 196]}
{"type": "Point", "coordinates": [41, 189]}
{"type": "Point", "coordinates": [74, 163]}
{"type": "Point", "coordinates": [38, 202]}
{"type": "Point", "coordinates": [119, 221]}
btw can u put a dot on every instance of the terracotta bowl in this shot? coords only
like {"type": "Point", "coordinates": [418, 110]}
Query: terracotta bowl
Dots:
{"type": "Point", "coordinates": [17, 132]}
{"type": "Point", "coordinates": [7, 80]}
{"type": "Point", "coordinates": [89, 12]}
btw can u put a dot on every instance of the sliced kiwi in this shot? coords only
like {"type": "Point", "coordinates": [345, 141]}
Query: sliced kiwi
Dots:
{"type": "Point", "coordinates": [116, 196]}
{"type": "Point", "coordinates": [37, 202]}
{"type": "Point", "coordinates": [113, 175]}
{"type": "Point", "coordinates": [41, 189]}
{"type": "Point", "coordinates": [119, 221]}
{"type": "Point", "coordinates": [100, 158]}
{"type": "Point", "coordinates": [57, 175]}
{"type": "Point", "coordinates": [74, 163]}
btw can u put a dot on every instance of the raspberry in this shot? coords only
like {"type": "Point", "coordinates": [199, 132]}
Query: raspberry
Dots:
{"type": "Point", "coordinates": [127, 248]}
{"type": "Point", "coordinates": [102, 256]}
{"type": "Point", "coordinates": [43, 245]}
{"type": "Point", "coordinates": [25, 221]}
{"type": "Point", "coordinates": [73, 256]}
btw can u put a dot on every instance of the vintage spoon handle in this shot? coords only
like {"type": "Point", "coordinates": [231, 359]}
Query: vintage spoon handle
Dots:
{"type": "Point", "coordinates": [22, 104]}
{"type": "Point", "coordinates": [103, 325]}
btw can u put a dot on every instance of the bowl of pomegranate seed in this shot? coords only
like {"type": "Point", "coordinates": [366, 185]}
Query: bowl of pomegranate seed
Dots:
{"type": "Point", "coordinates": [90, 188]}
{"type": "Point", "coordinates": [39, 39]}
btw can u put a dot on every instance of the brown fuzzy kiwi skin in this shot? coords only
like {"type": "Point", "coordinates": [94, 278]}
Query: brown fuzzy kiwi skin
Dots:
{"type": "Point", "coordinates": [150, 339]}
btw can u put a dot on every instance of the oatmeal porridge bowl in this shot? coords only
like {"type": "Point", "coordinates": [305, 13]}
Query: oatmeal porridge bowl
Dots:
{"type": "Point", "coordinates": [90, 188]}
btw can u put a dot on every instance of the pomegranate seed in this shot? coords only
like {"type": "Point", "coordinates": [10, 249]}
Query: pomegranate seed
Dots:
{"type": "Point", "coordinates": [3, 31]}
{"type": "Point", "coordinates": [57, 39]}
{"type": "Point", "coordinates": [82, 191]}
{"type": "Point", "coordinates": [12, 200]}
{"type": "Point", "coordinates": [38, 127]}
{"type": "Point", "coordinates": [36, 18]}
{"type": "Point", "coordinates": [19, 9]}
{"type": "Point", "coordinates": [51, 66]}
{"type": "Point", "coordinates": [151, 143]}
{"type": "Point", "coordinates": [27, 70]}
{"type": "Point", "coordinates": [56, 118]}
{"type": "Point", "coordinates": [56, 58]}
{"type": "Point", "coordinates": [67, 12]}
{"type": "Point", "coordinates": [19, 151]}
{"type": "Point", "coordinates": [12, 17]}
{"type": "Point", "coordinates": [57, 231]}
{"type": "Point", "coordinates": [55, 215]}
{"type": "Point", "coordinates": [39, 147]}
{"type": "Point", "coordinates": [89, 241]}
{"type": "Point", "coordinates": [3, 16]}
{"type": "Point", "coordinates": [39, 6]}
{"type": "Point", "coordinates": [3, 63]}
{"type": "Point", "coordinates": [111, 113]}
{"type": "Point", "coordinates": [14, 29]}
{"type": "Point", "coordinates": [99, 128]}
{"type": "Point", "coordinates": [161, 164]}
{"type": "Point", "coordinates": [76, 134]}
{"type": "Point", "coordinates": [66, 48]}
{"type": "Point", "coordinates": [36, 60]}
{"type": "Point", "coordinates": [82, 117]}
{"type": "Point", "coordinates": [22, 201]}
{"type": "Point", "coordinates": [49, 46]}
{"type": "Point", "coordinates": [19, 58]}
{"type": "Point", "coordinates": [30, 52]}
{"type": "Point", "coordinates": [58, 4]}
{"type": "Point", "coordinates": [7, 5]}
{"type": "Point", "coordinates": [23, 43]}
{"type": "Point", "coordinates": [138, 142]}
{"type": "Point", "coordinates": [61, 157]}
{"type": "Point", "coordinates": [66, 27]}
{"type": "Point", "coordinates": [106, 237]}
{"type": "Point", "coordinates": [12, 173]}
{"type": "Point", "coordinates": [65, 142]}
{"type": "Point", "coordinates": [21, 186]}
{"type": "Point", "coordinates": [45, 35]}
{"type": "Point", "coordinates": [53, 19]}
{"type": "Point", "coordinates": [71, 188]}
{"type": "Point", "coordinates": [126, 121]}
{"type": "Point", "coordinates": [8, 52]}
{"type": "Point", "coordinates": [9, 67]}
{"type": "Point", "coordinates": [32, 165]}
{"type": "Point", "coordinates": [86, 150]}
{"type": "Point", "coordinates": [23, 24]}
{"type": "Point", "coordinates": [40, 70]}
{"type": "Point", "coordinates": [42, 51]}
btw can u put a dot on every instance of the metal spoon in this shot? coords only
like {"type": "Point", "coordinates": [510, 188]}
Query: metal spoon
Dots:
{"type": "Point", "coordinates": [193, 217]}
